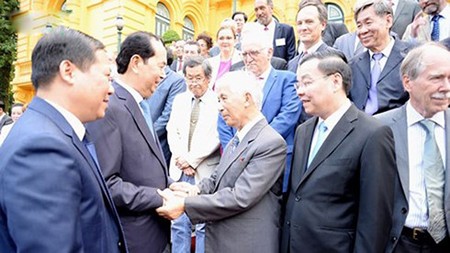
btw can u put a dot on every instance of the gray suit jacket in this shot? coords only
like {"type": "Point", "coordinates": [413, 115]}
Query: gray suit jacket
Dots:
{"type": "Point", "coordinates": [134, 168]}
{"type": "Point", "coordinates": [404, 15]}
{"type": "Point", "coordinates": [343, 201]}
{"type": "Point", "coordinates": [396, 120]}
{"type": "Point", "coordinates": [391, 93]}
{"type": "Point", "coordinates": [6, 120]}
{"type": "Point", "coordinates": [346, 44]}
{"type": "Point", "coordinates": [241, 201]}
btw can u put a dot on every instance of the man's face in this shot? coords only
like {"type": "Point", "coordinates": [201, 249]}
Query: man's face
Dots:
{"type": "Point", "coordinates": [432, 7]}
{"type": "Point", "coordinates": [231, 107]}
{"type": "Point", "coordinates": [179, 46]}
{"type": "Point", "coordinates": [152, 72]}
{"type": "Point", "coordinates": [240, 21]}
{"type": "Point", "coordinates": [196, 81]}
{"type": "Point", "coordinates": [255, 57]}
{"type": "Point", "coordinates": [263, 12]}
{"type": "Point", "coordinates": [92, 88]}
{"type": "Point", "coordinates": [373, 30]}
{"type": "Point", "coordinates": [189, 51]}
{"type": "Point", "coordinates": [314, 89]}
{"type": "Point", "coordinates": [309, 27]}
{"type": "Point", "coordinates": [430, 91]}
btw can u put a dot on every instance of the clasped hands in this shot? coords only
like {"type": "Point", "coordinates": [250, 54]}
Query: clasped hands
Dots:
{"type": "Point", "coordinates": [173, 197]}
{"type": "Point", "coordinates": [183, 165]}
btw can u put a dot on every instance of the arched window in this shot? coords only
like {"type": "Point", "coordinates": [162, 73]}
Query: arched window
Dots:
{"type": "Point", "coordinates": [162, 19]}
{"type": "Point", "coordinates": [188, 29]}
{"type": "Point", "coordinates": [335, 13]}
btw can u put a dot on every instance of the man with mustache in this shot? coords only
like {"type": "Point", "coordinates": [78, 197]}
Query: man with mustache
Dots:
{"type": "Point", "coordinates": [434, 26]}
{"type": "Point", "coordinates": [421, 215]}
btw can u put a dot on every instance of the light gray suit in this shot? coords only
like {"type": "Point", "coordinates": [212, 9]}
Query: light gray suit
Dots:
{"type": "Point", "coordinates": [396, 120]}
{"type": "Point", "coordinates": [346, 44]}
{"type": "Point", "coordinates": [404, 15]}
{"type": "Point", "coordinates": [242, 201]}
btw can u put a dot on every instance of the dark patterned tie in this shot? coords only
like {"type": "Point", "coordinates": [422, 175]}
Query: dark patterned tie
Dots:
{"type": "Point", "coordinates": [435, 30]}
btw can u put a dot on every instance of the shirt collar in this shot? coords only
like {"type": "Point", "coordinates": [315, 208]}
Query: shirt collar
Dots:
{"type": "Point", "coordinates": [334, 118]}
{"type": "Point", "coordinates": [244, 131]}
{"type": "Point", "coordinates": [387, 50]}
{"type": "Point", "coordinates": [314, 47]}
{"type": "Point", "coordinates": [73, 121]}
{"type": "Point", "coordinates": [134, 93]}
{"type": "Point", "coordinates": [413, 117]}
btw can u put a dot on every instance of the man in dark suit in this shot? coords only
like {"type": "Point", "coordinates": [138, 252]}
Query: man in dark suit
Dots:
{"type": "Point", "coordinates": [282, 35]}
{"type": "Point", "coordinates": [341, 188]}
{"type": "Point", "coordinates": [404, 12]}
{"type": "Point", "coordinates": [4, 119]}
{"type": "Point", "coordinates": [53, 197]}
{"type": "Point", "coordinates": [161, 104]}
{"type": "Point", "coordinates": [425, 73]}
{"type": "Point", "coordinates": [241, 201]}
{"type": "Point", "coordinates": [128, 148]}
{"type": "Point", "coordinates": [280, 104]}
{"type": "Point", "coordinates": [177, 64]}
{"type": "Point", "coordinates": [377, 85]}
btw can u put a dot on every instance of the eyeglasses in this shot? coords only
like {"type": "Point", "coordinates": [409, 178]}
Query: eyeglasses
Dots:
{"type": "Point", "coordinates": [251, 53]}
{"type": "Point", "coordinates": [197, 79]}
{"type": "Point", "coordinates": [309, 82]}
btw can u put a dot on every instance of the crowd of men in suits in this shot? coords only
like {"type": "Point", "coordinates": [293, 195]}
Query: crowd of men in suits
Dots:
{"type": "Point", "coordinates": [339, 147]}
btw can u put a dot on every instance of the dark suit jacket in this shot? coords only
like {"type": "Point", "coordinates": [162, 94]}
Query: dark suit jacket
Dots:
{"type": "Point", "coordinates": [343, 202]}
{"type": "Point", "coordinates": [293, 64]}
{"type": "Point", "coordinates": [284, 42]}
{"type": "Point", "coordinates": [332, 32]}
{"type": "Point", "coordinates": [6, 120]}
{"type": "Point", "coordinates": [134, 168]}
{"type": "Point", "coordinates": [396, 120]}
{"type": "Point", "coordinates": [241, 201]}
{"type": "Point", "coordinates": [53, 197]}
{"type": "Point", "coordinates": [446, 43]}
{"type": "Point", "coordinates": [391, 93]}
{"type": "Point", "coordinates": [161, 106]}
{"type": "Point", "coordinates": [276, 62]}
{"type": "Point", "coordinates": [405, 13]}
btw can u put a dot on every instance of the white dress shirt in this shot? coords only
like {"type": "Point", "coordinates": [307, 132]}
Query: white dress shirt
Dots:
{"type": "Point", "coordinates": [73, 121]}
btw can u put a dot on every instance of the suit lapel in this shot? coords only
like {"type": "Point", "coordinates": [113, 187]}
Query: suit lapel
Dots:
{"type": "Point", "coordinates": [276, 35]}
{"type": "Point", "coordinates": [301, 152]}
{"type": "Point", "coordinates": [268, 85]}
{"type": "Point", "coordinates": [132, 107]}
{"type": "Point", "coordinates": [342, 129]}
{"type": "Point", "coordinates": [401, 148]}
{"type": "Point", "coordinates": [364, 66]}
{"type": "Point", "coordinates": [229, 158]}
{"type": "Point", "coordinates": [397, 54]}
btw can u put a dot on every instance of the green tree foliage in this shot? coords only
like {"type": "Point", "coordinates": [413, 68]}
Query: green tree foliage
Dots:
{"type": "Point", "coordinates": [169, 36]}
{"type": "Point", "coordinates": [8, 45]}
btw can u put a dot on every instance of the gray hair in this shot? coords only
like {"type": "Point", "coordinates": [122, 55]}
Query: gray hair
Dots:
{"type": "Point", "coordinates": [381, 7]}
{"type": "Point", "coordinates": [413, 64]}
{"type": "Point", "coordinates": [240, 83]}
{"type": "Point", "coordinates": [195, 61]}
{"type": "Point", "coordinates": [253, 32]}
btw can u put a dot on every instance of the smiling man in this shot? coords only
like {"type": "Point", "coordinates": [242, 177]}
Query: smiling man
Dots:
{"type": "Point", "coordinates": [128, 149]}
{"type": "Point", "coordinates": [377, 85]}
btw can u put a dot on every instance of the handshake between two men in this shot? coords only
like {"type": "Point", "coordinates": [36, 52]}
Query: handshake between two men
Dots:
{"type": "Point", "coordinates": [173, 197]}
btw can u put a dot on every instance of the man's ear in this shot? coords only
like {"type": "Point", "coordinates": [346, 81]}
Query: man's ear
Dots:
{"type": "Point", "coordinates": [67, 71]}
{"type": "Point", "coordinates": [135, 60]}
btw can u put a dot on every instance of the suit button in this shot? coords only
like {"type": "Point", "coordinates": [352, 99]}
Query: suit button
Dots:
{"type": "Point", "coordinates": [297, 198]}
{"type": "Point", "coordinates": [119, 244]}
{"type": "Point", "coordinates": [288, 223]}
{"type": "Point", "coordinates": [404, 211]}
{"type": "Point", "coordinates": [394, 238]}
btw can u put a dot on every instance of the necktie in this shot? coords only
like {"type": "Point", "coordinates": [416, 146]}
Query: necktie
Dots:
{"type": "Point", "coordinates": [180, 65]}
{"type": "Point", "coordinates": [194, 118]}
{"type": "Point", "coordinates": [320, 139]}
{"type": "Point", "coordinates": [372, 100]}
{"type": "Point", "coordinates": [90, 148]}
{"type": "Point", "coordinates": [435, 30]}
{"type": "Point", "coordinates": [266, 28]}
{"type": "Point", "coordinates": [234, 143]}
{"type": "Point", "coordinates": [434, 182]}
{"type": "Point", "coordinates": [148, 117]}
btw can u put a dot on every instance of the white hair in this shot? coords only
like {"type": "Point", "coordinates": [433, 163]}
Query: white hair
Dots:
{"type": "Point", "coordinates": [240, 83]}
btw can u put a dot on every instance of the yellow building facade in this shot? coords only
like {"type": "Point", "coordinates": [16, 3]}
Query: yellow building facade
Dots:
{"type": "Point", "coordinates": [98, 18]}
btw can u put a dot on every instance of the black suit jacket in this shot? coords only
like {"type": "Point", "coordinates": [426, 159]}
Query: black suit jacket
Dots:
{"type": "Point", "coordinates": [343, 202]}
{"type": "Point", "coordinates": [134, 168]}
{"type": "Point", "coordinates": [332, 32]}
{"type": "Point", "coordinates": [284, 42]}
{"type": "Point", "coordinates": [391, 93]}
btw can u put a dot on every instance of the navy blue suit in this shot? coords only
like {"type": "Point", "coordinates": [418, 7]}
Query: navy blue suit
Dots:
{"type": "Point", "coordinates": [284, 33]}
{"type": "Point", "coordinates": [391, 93]}
{"type": "Point", "coordinates": [280, 106]}
{"type": "Point", "coordinates": [161, 106]}
{"type": "Point", "coordinates": [53, 197]}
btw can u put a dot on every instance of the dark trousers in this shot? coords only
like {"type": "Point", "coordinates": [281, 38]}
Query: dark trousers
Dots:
{"type": "Point", "coordinates": [408, 244]}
